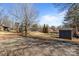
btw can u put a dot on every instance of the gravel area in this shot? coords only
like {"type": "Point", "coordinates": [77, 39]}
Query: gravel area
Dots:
{"type": "Point", "coordinates": [35, 47]}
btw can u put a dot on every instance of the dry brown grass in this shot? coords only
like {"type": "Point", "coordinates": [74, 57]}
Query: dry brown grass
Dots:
{"type": "Point", "coordinates": [24, 46]}
{"type": "Point", "coordinates": [8, 35]}
{"type": "Point", "coordinates": [41, 35]}
{"type": "Point", "coordinates": [50, 36]}
{"type": "Point", "coordinates": [36, 47]}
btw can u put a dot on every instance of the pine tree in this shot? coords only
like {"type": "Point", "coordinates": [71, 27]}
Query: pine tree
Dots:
{"type": "Point", "coordinates": [72, 17]}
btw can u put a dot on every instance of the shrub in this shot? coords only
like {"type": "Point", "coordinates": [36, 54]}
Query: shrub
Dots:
{"type": "Point", "coordinates": [34, 27]}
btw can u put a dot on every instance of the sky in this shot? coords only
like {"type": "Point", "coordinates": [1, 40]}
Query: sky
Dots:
{"type": "Point", "coordinates": [49, 13]}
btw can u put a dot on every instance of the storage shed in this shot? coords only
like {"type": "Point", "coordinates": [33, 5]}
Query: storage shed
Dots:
{"type": "Point", "coordinates": [66, 33]}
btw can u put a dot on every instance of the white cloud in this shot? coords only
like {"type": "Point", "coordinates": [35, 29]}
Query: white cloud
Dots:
{"type": "Point", "coordinates": [48, 17]}
{"type": "Point", "coordinates": [55, 20]}
{"type": "Point", "coordinates": [63, 13]}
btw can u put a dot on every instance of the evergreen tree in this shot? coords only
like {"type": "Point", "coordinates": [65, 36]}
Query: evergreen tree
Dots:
{"type": "Point", "coordinates": [45, 28]}
{"type": "Point", "coordinates": [72, 17]}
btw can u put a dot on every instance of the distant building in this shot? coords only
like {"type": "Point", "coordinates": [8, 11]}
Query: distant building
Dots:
{"type": "Point", "coordinates": [4, 27]}
{"type": "Point", "coordinates": [50, 30]}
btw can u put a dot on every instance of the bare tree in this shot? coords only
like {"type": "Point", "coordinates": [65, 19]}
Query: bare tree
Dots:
{"type": "Point", "coordinates": [27, 15]}
{"type": "Point", "coordinates": [1, 15]}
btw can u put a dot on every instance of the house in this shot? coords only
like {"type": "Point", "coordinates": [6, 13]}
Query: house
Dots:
{"type": "Point", "coordinates": [4, 27]}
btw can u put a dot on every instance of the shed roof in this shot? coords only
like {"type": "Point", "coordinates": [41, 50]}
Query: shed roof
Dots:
{"type": "Point", "coordinates": [67, 29]}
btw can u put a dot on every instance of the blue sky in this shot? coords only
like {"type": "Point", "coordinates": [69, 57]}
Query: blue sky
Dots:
{"type": "Point", "coordinates": [49, 13]}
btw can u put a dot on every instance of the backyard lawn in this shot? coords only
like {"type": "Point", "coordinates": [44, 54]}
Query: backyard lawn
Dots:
{"type": "Point", "coordinates": [36, 44]}
{"type": "Point", "coordinates": [37, 35]}
{"type": "Point", "coordinates": [50, 36]}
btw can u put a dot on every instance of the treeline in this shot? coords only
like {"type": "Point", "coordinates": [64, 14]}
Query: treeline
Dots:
{"type": "Point", "coordinates": [20, 18]}
{"type": "Point", "coordinates": [24, 18]}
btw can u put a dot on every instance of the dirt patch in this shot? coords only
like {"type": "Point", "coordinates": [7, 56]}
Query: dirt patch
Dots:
{"type": "Point", "coordinates": [16, 45]}
{"type": "Point", "coordinates": [36, 47]}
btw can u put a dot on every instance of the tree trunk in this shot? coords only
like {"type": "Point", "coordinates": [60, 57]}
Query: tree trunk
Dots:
{"type": "Point", "coordinates": [74, 26]}
{"type": "Point", "coordinates": [76, 29]}
{"type": "Point", "coordinates": [26, 30]}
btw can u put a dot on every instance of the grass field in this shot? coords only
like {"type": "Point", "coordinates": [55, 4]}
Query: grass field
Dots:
{"type": "Point", "coordinates": [41, 35]}
{"type": "Point", "coordinates": [37, 44]}
{"type": "Point", "coordinates": [51, 36]}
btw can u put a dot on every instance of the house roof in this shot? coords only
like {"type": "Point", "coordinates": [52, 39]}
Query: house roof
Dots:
{"type": "Point", "coordinates": [67, 29]}
{"type": "Point", "coordinates": [3, 25]}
